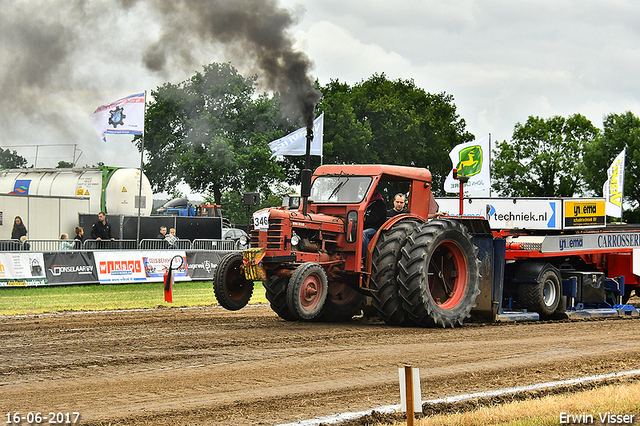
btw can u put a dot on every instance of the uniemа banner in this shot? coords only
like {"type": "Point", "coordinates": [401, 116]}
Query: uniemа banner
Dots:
{"type": "Point", "coordinates": [584, 213]}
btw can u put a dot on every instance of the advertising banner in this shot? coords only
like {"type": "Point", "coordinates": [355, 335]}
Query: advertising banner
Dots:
{"type": "Point", "coordinates": [70, 268]}
{"type": "Point", "coordinates": [509, 213]}
{"type": "Point", "coordinates": [202, 264]}
{"type": "Point", "coordinates": [120, 266]}
{"type": "Point", "coordinates": [584, 213]}
{"type": "Point", "coordinates": [156, 263]}
{"type": "Point", "coordinates": [22, 270]}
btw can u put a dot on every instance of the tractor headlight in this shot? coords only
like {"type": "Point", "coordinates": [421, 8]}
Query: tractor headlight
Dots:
{"type": "Point", "coordinates": [244, 240]}
{"type": "Point", "coordinates": [295, 239]}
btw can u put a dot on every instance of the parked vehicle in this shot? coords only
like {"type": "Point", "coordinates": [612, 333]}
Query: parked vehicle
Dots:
{"type": "Point", "coordinates": [240, 237]}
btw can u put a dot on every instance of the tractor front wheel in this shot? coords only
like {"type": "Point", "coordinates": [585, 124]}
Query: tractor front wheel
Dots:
{"type": "Point", "coordinates": [231, 288]}
{"type": "Point", "coordinates": [307, 291]}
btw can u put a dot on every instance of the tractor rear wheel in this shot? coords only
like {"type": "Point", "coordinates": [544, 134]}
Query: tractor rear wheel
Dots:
{"type": "Point", "coordinates": [307, 291]}
{"type": "Point", "coordinates": [384, 273]}
{"type": "Point", "coordinates": [439, 274]}
{"type": "Point", "coordinates": [542, 296]}
{"type": "Point", "coordinates": [343, 302]}
{"type": "Point", "coordinates": [231, 288]}
{"type": "Point", "coordinates": [276, 293]}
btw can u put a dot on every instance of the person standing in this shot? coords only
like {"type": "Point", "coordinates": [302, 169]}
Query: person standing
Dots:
{"type": "Point", "coordinates": [163, 233]}
{"type": "Point", "coordinates": [398, 206]}
{"type": "Point", "coordinates": [172, 238]}
{"type": "Point", "coordinates": [79, 238]}
{"type": "Point", "coordinates": [101, 230]}
{"type": "Point", "coordinates": [18, 230]}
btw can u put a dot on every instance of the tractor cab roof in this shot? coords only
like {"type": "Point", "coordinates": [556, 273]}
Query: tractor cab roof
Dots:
{"type": "Point", "coordinates": [399, 172]}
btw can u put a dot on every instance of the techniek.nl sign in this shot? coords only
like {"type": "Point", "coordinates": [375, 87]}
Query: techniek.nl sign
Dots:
{"type": "Point", "coordinates": [509, 213]}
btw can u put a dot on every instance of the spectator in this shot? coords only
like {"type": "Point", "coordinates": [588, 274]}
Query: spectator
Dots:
{"type": "Point", "coordinates": [25, 244]}
{"type": "Point", "coordinates": [65, 244]}
{"type": "Point", "coordinates": [374, 217]}
{"type": "Point", "coordinates": [163, 233]}
{"type": "Point", "coordinates": [18, 230]}
{"type": "Point", "coordinates": [398, 206]}
{"type": "Point", "coordinates": [172, 239]}
{"type": "Point", "coordinates": [101, 230]}
{"type": "Point", "coordinates": [79, 238]}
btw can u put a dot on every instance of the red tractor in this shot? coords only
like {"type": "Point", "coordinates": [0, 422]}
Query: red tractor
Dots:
{"type": "Point", "coordinates": [416, 270]}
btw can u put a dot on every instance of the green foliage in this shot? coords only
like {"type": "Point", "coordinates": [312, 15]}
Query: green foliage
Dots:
{"type": "Point", "coordinates": [64, 165]}
{"type": "Point", "coordinates": [11, 160]}
{"type": "Point", "coordinates": [543, 158]}
{"type": "Point", "coordinates": [381, 121]}
{"type": "Point", "coordinates": [619, 131]}
{"type": "Point", "coordinates": [238, 213]}
{"type": "Point", "coordinates": [212, 132]}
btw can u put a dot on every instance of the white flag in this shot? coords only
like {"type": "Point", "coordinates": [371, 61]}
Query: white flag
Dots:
{"type": "Point", "coordinates": [472, 158]}
{"type": "Point", "coordinates": [614, 186]}
{"type": "Point", "coordinates": [125, 115]}
{"type": "Point", "coordinates": [296, 143]}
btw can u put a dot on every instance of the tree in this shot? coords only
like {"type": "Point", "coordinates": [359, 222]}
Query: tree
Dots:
{"type": "Point", "coordinates": [64, 165]}
{"type": "Point", "coordinates": [543, 158]}
{"type": "Point", "coordinates": [11, 160]}
{"type": "Point", "coordinates": [391, 122]}
{"type": "Point", "coordinates": [619, 131]}
{"type": "Point", "coordinates": [212, 132]}
{"type": "Point", "coordinates": [238, 213]}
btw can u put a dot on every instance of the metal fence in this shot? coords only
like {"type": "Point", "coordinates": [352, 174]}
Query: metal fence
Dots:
{"type": "Point", "coordinates": [164, 245]}
{"type": "Point", "coordinates": [62, 245]}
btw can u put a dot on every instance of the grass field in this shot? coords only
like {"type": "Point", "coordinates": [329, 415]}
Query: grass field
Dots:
{"type": "Point", "coordinates": [595, 404]}
{"type": "Point", "coordinates": [35, 300]}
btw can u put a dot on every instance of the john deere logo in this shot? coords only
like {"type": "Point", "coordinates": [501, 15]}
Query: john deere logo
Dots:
{"type": "Point", "coordinates": [470, 160]}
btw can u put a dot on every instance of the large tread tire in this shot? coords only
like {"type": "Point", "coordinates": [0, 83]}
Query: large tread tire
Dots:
{"type": "Point", "coordinates": [384, 273]}
{"type": "Point", "coordinates": [232, 290]}
{"type": "Point", "coordinates": [343, 302]}
{"type": "Point", "coordinates": [276, 294]}
{"type": "Point", "coordinates": [307, 291]}
{"type": "Point", "coordinates": [439, 274]}
{"type": "Point", "coordinates": [542, 296]}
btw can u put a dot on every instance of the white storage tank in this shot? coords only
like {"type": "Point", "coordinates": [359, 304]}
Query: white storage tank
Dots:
{"type": "Point", "coordinates": [111, 189]}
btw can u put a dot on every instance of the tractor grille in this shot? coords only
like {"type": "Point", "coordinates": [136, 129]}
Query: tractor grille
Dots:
{"type": "Point", "coordinates": [274, 235]}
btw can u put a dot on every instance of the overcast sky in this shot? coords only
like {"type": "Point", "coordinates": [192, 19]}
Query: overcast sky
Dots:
{"type": "Point", "coordinates": [501, 60]}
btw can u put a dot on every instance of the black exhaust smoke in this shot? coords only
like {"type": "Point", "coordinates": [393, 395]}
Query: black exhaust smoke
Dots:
{"type": "Point", "coordinates": [254, 32]}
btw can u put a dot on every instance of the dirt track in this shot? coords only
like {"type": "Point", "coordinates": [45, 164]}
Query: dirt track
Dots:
{"type": "Point", "coordinates": [209, 366]}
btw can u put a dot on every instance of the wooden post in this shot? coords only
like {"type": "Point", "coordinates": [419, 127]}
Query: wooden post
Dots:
{"type": "Point", "coordinates": [408, 379]}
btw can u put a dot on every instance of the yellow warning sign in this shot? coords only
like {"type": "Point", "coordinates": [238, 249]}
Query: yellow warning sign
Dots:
{"type": "Point", "coordinates": [124, 189]}
{"type": "Point", "coordinates": [79, 191]}
{"type": "Point", "coordinates": [86, 192]}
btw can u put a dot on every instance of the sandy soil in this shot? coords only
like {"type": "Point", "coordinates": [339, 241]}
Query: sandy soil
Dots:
{"type": "Point", "coordinates": [209, 366]}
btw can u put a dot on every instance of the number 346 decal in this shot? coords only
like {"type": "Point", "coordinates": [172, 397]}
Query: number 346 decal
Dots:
{"type": "Point", "coordinates": [261, 220]}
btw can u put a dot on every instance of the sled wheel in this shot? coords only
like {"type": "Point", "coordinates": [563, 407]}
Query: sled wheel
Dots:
{"type": "Point", "coordinates": [231, 288]}
{"type": "Point", "coordinates": [307, 291]}
{"type": "Point", "coordinates": [439, 274]}
{"type": "Point", "coordinates": [343, 302]}
{"type": "Point", "coordinates": [276, 293]}
{"type": "Point", "coordinates": [542, 296]}
{"type": "Point", "coordinates": [384, 273]}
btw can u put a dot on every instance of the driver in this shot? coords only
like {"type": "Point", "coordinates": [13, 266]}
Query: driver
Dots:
{"type": "Point", "coordinates": [374, 216]}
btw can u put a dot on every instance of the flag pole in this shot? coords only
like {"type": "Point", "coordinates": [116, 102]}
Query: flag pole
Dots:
{"type": "Point", "coordinates": [141, 162]}
{"type": "Point", "coordinates": [489, 165]}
